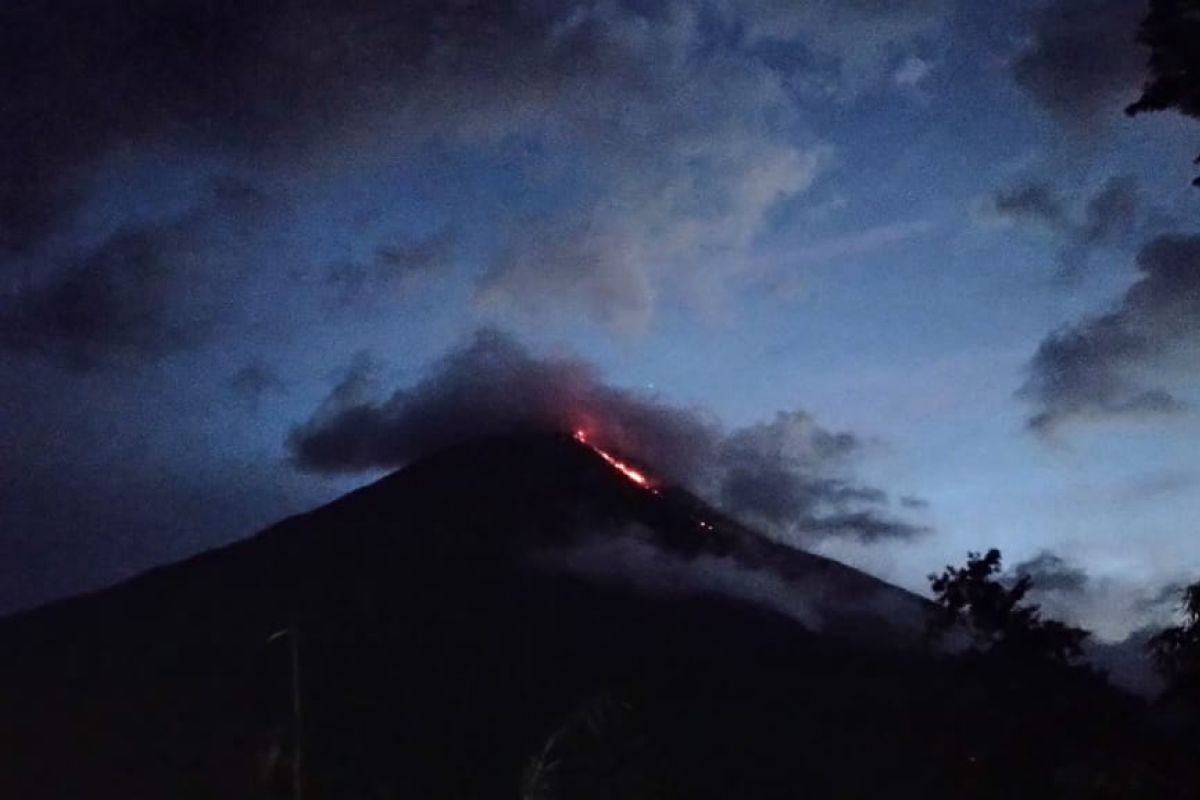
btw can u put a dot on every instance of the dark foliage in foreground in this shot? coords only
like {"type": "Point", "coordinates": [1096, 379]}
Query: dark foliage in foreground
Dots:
{"type": "Point", "coordinates": [1176, 650]}
{"type": "Point", "coordinates": [1172, 32]}
{"type": "Point", "coordinates": [996, 617]}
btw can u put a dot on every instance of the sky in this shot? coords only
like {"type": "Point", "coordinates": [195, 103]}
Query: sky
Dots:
{"type": "Point", "coordinates": [893, 280]}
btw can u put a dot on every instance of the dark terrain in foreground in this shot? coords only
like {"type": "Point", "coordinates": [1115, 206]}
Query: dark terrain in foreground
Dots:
{"type": "Point", "coordinates": [445, 652]}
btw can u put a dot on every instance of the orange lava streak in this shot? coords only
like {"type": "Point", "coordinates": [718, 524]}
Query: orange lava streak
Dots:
{"type": "Point", "coordinates": [620, 466]}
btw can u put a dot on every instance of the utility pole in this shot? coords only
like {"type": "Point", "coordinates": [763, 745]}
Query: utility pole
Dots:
{"type": "Point", "coordinates": [293, 634]}
{"type": "Point", "coordinates": [297, 755]}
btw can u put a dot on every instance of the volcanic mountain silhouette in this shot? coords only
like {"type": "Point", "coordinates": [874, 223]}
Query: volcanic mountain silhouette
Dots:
{"type": "Point", "coordinates": [511, 617]}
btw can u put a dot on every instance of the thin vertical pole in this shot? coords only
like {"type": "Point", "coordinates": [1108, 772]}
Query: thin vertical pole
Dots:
{"type": "Point", "coordinates": [298, 743]}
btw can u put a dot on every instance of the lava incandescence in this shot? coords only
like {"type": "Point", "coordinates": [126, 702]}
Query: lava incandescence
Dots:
{"type": "Point", "coordinates": [617, 464]}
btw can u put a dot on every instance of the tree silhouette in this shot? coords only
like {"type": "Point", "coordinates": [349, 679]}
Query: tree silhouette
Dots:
{"type": "Point", "coordinates": [994, 614]}
{"type": "Point", "coordinates": [1176, 650]}
{"type": "Point", "coordinates": [1171, 30]}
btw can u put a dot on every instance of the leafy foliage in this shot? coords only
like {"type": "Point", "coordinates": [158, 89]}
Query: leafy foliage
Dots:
{"type": "Point", "coordinates": [995, 615]}
{"type": "Point", "coordinates": [1171, 30]}
{"type": "Point", "coordinates": [1176, 650]}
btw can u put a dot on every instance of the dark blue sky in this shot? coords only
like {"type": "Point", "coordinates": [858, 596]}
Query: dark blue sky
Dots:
{"type": "Point", "coordinates": [925, 224]}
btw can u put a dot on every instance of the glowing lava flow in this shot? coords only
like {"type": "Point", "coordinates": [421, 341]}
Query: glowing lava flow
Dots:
{"type": "Point", "coordinates": [619, 466]}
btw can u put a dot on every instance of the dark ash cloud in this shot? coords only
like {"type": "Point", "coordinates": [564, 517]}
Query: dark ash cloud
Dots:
{"type": "Point", "coordinates": [490, 387]}
{"type": "Point", "coordinates": [1095, 368]}
{"type": "Point", "coordinates": [789, 473]}
{"type": "Point", "coordinates": [1084, 63]}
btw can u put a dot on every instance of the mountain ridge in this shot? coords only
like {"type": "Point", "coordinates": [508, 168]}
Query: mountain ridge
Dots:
{"type": "Point", "coordinates": [443, 642]}
{"type": "Point", "coordinates": [585, 487]}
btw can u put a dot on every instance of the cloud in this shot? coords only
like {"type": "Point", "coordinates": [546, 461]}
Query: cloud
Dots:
{"type": "Point", "coordinates": [863, 242]}
{"type": "Point", "coordinates": [1114, 216]}
{"type": "Point", "coordinates": [1096, 368]}
{"type": "Point", "coordinates": [491, 386]}
{"type": "Point", "coordinates": [665, 135]}
{"type": "Point", "coordinates": [1036, 204]}
{"type": "Point", "coordinates": [636, 556]}
{"type": "Point", "coordinates": [853, 43]}
{"type": "Point", "coordinates": [1083, 62]}
{"type": "Point", "coordinates": [88, 81]}
{"type": "Point", "coordinates": [789, 473]}
{"type": "Point", "coordinates": [1110, 606]}
{"type": "Point", "coordinates": [138, 295]}
{"type": "Point", "coordinates": [594, 267]}
{"type": "Point", "coordinates": [744, 565]}
{"type": "Point", "coordinates": [912, 72]}
{"type": "Point", "coordinates": [680, 172]}
{"type": "Point", "coordinates": [1112, 213]}
{"type": "Point", "coordinates": [791, 282]}
{"type": "Point", "coordinates": [1050, 573]}
{"type": "Point", "coordinates": [113, 304]}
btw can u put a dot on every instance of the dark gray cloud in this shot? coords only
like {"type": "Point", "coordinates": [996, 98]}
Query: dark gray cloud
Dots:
{"type": "Point", "coordinates": [491, 386]}
{"type": "Point", "coordinates": [1050, 573]}
{"type": "Point", "coordinates": [1097, 367]}
{"type": "Point", "coordinates": [789, 473]}
{"type": "Point", "coordinates": [1036, 204]}
{"type": "Point", "coordinates": [1083, 62]}
{"type": "Point", "coordinates": [1114, 216]}
{"type": "Point", "coordinates": [267, 81]}
{"type": "Point", "coordinates": [138, 295]}
{"type": "Point", "coordinates": [1113, 213]}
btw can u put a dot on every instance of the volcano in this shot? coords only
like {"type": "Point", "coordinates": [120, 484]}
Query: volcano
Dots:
{"type": "Point", "coordinates": [512, 617]}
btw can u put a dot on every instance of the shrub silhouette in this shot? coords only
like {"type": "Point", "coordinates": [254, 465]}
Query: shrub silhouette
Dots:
{"type": "Point", "coordinates": [1171, 30]}
{"type": "Point", "coordinates": [995, 616]}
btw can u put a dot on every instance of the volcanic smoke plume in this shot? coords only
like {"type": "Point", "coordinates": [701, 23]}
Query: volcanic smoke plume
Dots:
{"type": "Point", "coordinates": [789, 473]}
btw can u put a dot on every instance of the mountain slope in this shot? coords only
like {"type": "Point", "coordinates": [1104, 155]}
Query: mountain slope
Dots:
{"type": "Point", "coordinates": [463, 631]}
